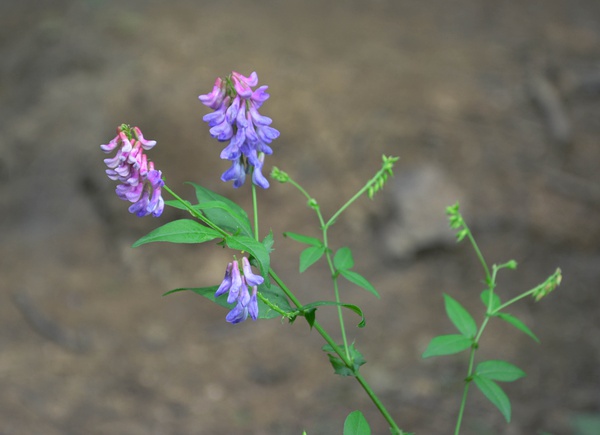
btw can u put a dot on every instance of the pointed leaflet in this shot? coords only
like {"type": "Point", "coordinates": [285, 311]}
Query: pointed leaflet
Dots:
{"type": "Point", "coordinates": [359, 280]}
{"type": "Point", "coordinates": [498, 370]}
{"type": "Point", "coordinates": [509, 318]}
{"type": "Point", "coordinates": [310, 256]}
{"type": "Point", "coordinates": [460, 317]}
{"type": "Point", "coordinates": [222, 211]}
{"type": "Point", "coordinates": [343, 259]}
{"type": "Point", "coordinates": [303, 239]}
{"type": "Point", "coordinates": [180, 231]}
{"type": "Point", "coordinates": [447, 345]}
{"type": "Point", "coordinates": [356, 424]}
{"type": "Point", "coordinates": [494, 393]}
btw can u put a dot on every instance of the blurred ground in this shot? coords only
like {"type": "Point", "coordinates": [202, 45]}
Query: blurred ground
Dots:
{"type": "Point", "coordinates": [503, 97]}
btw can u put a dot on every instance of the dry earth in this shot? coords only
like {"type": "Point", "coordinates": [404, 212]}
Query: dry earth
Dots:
{"type": "Point", "coordinates": [501, 97]}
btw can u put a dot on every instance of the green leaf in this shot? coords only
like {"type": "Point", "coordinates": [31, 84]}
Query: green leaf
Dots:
{"type": "Point", "coordinates": [338, 364]}
{"type": "Point", "coordinates": [447, 345]}
{"type": "Point", "coordinates": [276, 297]}
{"type": "Point", "coordinates": [494, 393]}
{"type": "Point", "coordinates": [225, 217]}
{"type": "Point", "coordinates": [180, 231]}
{"type": "Point", "coordinates": [485, 298]}
{"type": "Point", "coordinates": [359, 280]}
{"type": "Point", "coordinates": [509, 318]}
{"type": "Point", "coordinates": [222, 211]}
{"type": "Point", "coordinates": [303, 239]}
{"type": "Point", "coordinates": [268, 242]}
{"type": "Point", "coordinates": [254, 248]}
{"type": "Point", "coordinates": [460, 317]}
{"type": "Point", "coordinates": [314, 305]}
{"type": "Point", "coordinates": [310, 256]}
{"type": "Point", "coordinates": [343, 259]}
{"type": "Point", "coordinates": [498, 370]}
{"type": "Point", "coordinates": [356, 424]}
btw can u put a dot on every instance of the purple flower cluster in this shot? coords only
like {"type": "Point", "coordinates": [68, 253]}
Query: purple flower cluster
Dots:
{"type": "Point", "coordinates": [237, 285]}
{"type": "Point", "coordinates": [236, 119]}
{"type": "Point", "coordinates": [140, 182]}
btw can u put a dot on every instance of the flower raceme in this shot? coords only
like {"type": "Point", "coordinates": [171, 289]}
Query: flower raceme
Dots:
{"type": "Point", "coordinates": [237, 285]}
{"type": "Point", "coordinates": [236, 119]}
{"type": "Point", "coordinates": [140, 183]}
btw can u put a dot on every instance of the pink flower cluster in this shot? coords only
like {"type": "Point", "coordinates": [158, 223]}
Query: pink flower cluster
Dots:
{"type": "Point", "coordinates": [140, 183]}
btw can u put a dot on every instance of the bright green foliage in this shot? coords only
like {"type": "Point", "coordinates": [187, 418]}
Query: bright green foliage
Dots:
{"type": "Point", "coordinates": [223, 212]}
{"type": "Point", "coordinates": [460, 317]}
{"type": "Point", "coordinates": [180, 231]}
{"type": "Point", "coordinates": [499, 370]}
{"type": "Point", "coordinates": [356, 424]}
{"type": "Point", "coordinates": [447, 345]}
{"type": "Point", "coordinates": [343, 259]}
{"type": "Point", "coordinates": [339, 367]}
{"type": "Point", "coordinates": [310, 256]}
{"type": "Point", "coordinates": [343, 262]}
{"type": "Point", "coordinates": [509, 318]}
{"type": "Point", "coordinates": [494, 393]}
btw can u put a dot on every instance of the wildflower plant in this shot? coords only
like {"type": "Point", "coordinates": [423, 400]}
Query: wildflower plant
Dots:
{"type": "Point", "coordinates": [251, 288]}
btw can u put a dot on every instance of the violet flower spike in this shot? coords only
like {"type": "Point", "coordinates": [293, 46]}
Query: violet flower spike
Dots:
{"type": "Point", "coordinates": [236, 119]}
{"type": "Point", "coordinates": [236, 285]}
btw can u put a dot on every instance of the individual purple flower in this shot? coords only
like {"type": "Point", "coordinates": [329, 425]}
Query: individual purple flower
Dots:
{"type": "Point", "coordinates": [140, 183]}
{"type": "Point", "coordinates": [236, 119]}
{"type": "Point", "coordinates": [236, 285]}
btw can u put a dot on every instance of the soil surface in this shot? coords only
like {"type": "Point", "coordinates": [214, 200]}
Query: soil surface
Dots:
{"type": "Point", "coordinates": [502, 98]}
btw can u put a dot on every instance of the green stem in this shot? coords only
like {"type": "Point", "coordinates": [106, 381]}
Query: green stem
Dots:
{"type": "Point", "coordinates": [479, 254]}
{"type": "Point", "coordinates": [348, 203]}
{"type": "Point", "coordinates": [195, 212]}
{"type": "Point", "coordinates": [255, 210]}
{"type": "Point", "coordinates": [342, 355]}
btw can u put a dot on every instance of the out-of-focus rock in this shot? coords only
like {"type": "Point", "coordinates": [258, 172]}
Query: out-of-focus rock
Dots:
{"type": "Point", "coordinates": [415, 218]}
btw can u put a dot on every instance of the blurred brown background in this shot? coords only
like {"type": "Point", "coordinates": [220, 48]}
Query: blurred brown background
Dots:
{"type": "Point", "coordinates": [493, 103]}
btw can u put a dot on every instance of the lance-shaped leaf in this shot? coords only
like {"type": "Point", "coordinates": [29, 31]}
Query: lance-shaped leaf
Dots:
{"type": "Point", "coordinates": [447, 345]}
{"type": "Point", "coordinates": [356, 424]}
{"type": "Point", "coordinates": [303, 239]}
{"type": "Point", "coordinates": [460, 317]}
{"type": "Point", "coordinates": [343, 259]}
{"type": "Point", "coordinates": [359, 280]}
{"type": "Point", "coordinates": [499, 370]}
{"type": "Point", "coordinates": [310, 256]}
{"type": "Point", "coordinates": [180, 231]}
{"type": "Point", "coordinates": [495, 394]}
{"type": "Point", "coordinates": [509, 318]}
{"type": "Point", "coordinates": [223, 212]}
